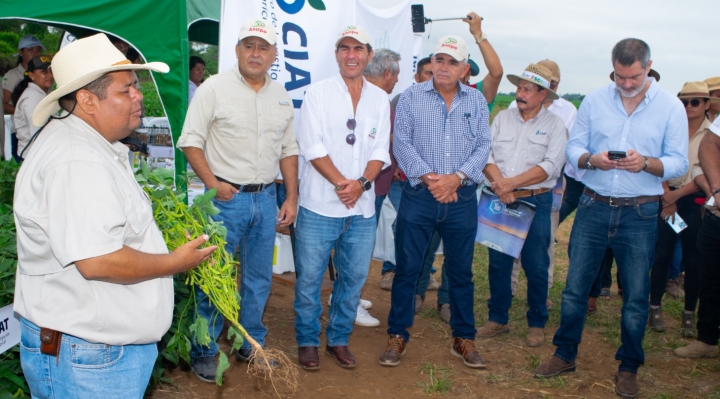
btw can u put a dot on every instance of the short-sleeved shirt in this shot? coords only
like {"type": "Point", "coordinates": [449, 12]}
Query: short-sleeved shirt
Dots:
{"type": "Point", "coordinates": [22, 119]}
{"type": "Point", "coordinates": [520, 145]}
{"type": "Point", "coordinates": [12, 78]}
{"type": "Point", "coordinates": [323, 132]}
{"type": "Point", "coordinates": [693, 156]}
{"type": "Point", "coordinates": [76, 198]}
{"type": "Point", "coordinates": [243, 133]}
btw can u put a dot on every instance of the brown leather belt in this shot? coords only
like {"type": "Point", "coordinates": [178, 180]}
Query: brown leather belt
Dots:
{"type": "Point", "coordinates": [50, 342]}
{"type": "Point", "coordinates": [621, 201]}
{"type": "Point", "coordinates": [527, 193]}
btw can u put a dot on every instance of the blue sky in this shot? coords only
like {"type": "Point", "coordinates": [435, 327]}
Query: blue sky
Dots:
{"type": "Point", "coordinates": [579, 35]}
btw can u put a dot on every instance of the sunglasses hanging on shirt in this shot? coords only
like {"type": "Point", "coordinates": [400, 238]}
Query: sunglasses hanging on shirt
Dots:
{"type": "Point", "coordinates": [350, 139]}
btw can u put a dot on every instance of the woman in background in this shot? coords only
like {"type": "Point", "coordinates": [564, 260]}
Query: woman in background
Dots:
{"type": "Point", "coordinates": [26, 96]}
{"type": "Point", "coordinates": [197, 75]}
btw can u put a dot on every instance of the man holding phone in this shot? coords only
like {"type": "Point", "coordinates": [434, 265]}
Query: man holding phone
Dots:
{"type": "Point", "coordinates": [619, 206]}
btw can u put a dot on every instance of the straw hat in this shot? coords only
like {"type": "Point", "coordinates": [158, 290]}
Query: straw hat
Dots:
{"type": "Point", "coordinates": [538, 75]}
{"type": "Point", "coordinates": [80, 63]}
{"type": "Point", "coordinates": [713, 83]}
{"type": "Point", "coordinates": [696, 90]}
{"type": "Point", "coordinates": [553, 67]}
{"type": "Point", "coordinates": [653, 73]}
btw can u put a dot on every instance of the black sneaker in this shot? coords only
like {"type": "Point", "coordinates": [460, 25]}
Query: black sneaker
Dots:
{"type": "Point", "coordinates": [243, 354]}
{"type": "Point", "coordinates": [204, 368]}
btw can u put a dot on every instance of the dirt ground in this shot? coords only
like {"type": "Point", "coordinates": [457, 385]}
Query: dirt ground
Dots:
{"type": "Point", "coordinates": [428, 368]}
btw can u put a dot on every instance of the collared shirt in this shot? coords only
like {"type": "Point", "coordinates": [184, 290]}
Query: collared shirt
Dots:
{"type": "Point", "coordinates": [693, 156]}
{"type": "Point", "coordinates": [322, 132]}
{"type": "Point", "coordinates": [657, 128]}
{"type": "Point", "coordinates": [12, 78]}
{"type": "Point", "coordinates": [191, 90]}
{"type": "Point", "coordinates": [568, 113]}
{"type": "Point", "coordinates": [22, 119]}
{"type": "Point", "coordinates": [519, 146]}
{"type": "Point", "coordinates": [244, 134]}
{"type": "Point", "coordinates": [428, 138]}
{"type": "Point", "coordinates": [76, 198]}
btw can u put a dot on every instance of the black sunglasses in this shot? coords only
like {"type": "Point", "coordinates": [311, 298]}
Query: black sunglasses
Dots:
{"type": "Point", "coordinates": [350, 139]}
{"type": "Point", "coordinates": [694, 102]}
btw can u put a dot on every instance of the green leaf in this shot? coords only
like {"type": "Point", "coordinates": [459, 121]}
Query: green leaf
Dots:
{"type": "Point", "coordinates": [317, 4]}
{"type": "Point", "coordinates": [238, 338]}
{"type": "Point", "coordinates": [145, 169]}
{"type": "Point", "coordinates": [200, 333]}
{"type": "Point", "coordinates": [223, 365]}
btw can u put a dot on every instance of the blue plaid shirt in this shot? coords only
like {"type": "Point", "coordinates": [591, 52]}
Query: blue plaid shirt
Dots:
{"type": "Point", "coordinates": [428, 138]}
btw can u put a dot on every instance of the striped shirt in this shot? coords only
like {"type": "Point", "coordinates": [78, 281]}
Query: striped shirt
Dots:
{"type": "Point", "coordinates": [429, 138]}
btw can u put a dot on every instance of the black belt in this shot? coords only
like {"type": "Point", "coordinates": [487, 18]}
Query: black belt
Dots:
{"type": "Point", "coordinates": [245, 188]}
{"type": "Point", "coordinates": [621, 201]}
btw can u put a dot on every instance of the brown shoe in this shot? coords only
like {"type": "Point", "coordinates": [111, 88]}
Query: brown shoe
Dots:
{"type": "Point", "coordinates": [465, 349]}
{"type": "Point", "coordinates": [592, 305]}
{"type": "Point", "coordinates": [673, 289]}
{"type": "Point", "coordinates": [418, 303]}
{"type": "Point", "coordinates": [535, 337]}
{"type": "Point", "coordinates": [553, 367]}
{"type": "Point", "coordinates": [697, 350]}
{"type": "Point", "coordinates": [344, 357]}
{"type": "Point", "coordinates": [395, 348]}
{"type": "Point", "coordinates": [308, 358]}
{"type": "Point", "coordinates": [492, 329]}
{"type": "Point", "coordinates": [626, 385]}
{"type": "Point", "coordinates": [387, 280]}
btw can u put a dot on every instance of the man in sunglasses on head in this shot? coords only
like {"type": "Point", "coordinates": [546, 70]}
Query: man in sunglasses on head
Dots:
{"type": "Point", "coordinates": [344, 135]}
{"type": "Point", "coordinates": [441, 142]}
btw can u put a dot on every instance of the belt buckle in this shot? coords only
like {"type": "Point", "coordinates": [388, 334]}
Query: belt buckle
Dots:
{"type": "Point", "coordinates": [611, 201]}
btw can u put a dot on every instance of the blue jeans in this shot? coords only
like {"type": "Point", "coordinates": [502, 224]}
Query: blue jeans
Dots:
{"type": "Point", "coordinates": [427, 265]}
{"type": "Point", "coordinates": [250, 221]}
{"type": "Point", "coordinates": [352, 238]}
{"type": "Point", "coordinates": [85, 369]}
{"type": "Point", "coordinates": [631, 233]}
{"type": "Point", "coordinates": [573, 191]}
{"type": "Point", "coordinates": [395, 194]}
{"type": "Point", "coordinates": [420, 214]}
{"type": "Point", "coordinates": [535, 262]}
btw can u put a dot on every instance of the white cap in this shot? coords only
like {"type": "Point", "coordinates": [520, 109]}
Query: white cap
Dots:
{"type": "Point", "coordinates": [257, 28]}
{"type": "Point", "coordinates": [356, 32]}
{"type": "Point", "coordinates": [453, 46]}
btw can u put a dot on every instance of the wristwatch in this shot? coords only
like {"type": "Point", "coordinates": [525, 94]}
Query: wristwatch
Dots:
{"type": "Point", "coordinates": [463, 178]}
{"type": "Point", "coordinates": [647, 163]}
{"type": "Point", "coordinates": [588, 165]}
{"type": "Point", "coordinates": [481, 39]}
{"type": "Point", "coordinates": [364, 183]}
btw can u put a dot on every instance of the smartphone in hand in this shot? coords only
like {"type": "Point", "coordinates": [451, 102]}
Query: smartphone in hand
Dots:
{"type": "Point", "coordinates": [616, 155]}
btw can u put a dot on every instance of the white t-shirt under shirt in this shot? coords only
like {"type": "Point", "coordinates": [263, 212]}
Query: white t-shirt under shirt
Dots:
{"type": "Point", "coordinates": [76, 198]}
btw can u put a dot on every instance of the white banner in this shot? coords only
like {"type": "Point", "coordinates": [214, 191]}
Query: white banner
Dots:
{"type": "Point", "coordinates": [9, 328]}
{"type": "Point", "coordinates": [307, 30]}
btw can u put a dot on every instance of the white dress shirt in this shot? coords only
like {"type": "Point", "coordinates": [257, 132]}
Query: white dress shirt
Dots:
{"type": "Point", "coordinates": [322, 131]}
{"type": "Point", "coordinates": [567, 112]}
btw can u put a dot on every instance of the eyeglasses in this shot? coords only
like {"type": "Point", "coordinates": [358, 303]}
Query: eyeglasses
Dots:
{"type": "Point", "coordinates": [350, 139]}
{"type": "Point", "coordinates": [694, 102]}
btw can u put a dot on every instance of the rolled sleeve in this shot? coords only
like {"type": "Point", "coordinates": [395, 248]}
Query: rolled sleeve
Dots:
{"type": "Point", "coordinates": [85, 221]}
{"type": "Point", "coordinates": [199, 117]}
{"type": "Point", "coordinates": [309, 135]}
{"type": "Point", "coordinates": [675, 144]}
{"type": "Point", "coordinates": [696, 171]}
{"type": "Point", "coordinates": [407, 157]}
{"type": "Point", "coordinates": [381, 148]}
{"type": "Point", "coordinates": [579, 141]}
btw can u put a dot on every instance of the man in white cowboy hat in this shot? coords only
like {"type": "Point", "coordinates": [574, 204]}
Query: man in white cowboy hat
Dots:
{"type": "Point", "coordinates": [526, 160]}
{"type": "Point", "coordinates": [94, 281]}
{"type": "Point", "coordinates": [344, 136]}
{"type": "Point", "coordinates": [441, 143]}
{"type": "Point", "coordinates": [630, 136]}
{"type": "Point", "coordinates": [238, 131]}
{"type": "Point", "coordinates": [567, 112]}
{"type": "Point", "coordinates": [714, 88]}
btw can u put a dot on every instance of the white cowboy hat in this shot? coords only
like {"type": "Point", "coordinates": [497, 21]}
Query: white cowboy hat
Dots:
{"type": "Point", "coordinates": [538, 74]}
{"type": "Point", "coordinates": [81, 62]}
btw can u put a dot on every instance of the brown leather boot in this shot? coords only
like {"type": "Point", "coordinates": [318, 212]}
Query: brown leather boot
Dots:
{"type": "Point", "coordinates": [465, 349]}
{"type": "Point", "coordinates": [394, 349]}
{"type": "Point", "coordinates": [553, 367]}
{"type": "Point", "coordinates": [344, 357]}
{"type": "Point", "coordinates": [308, 358]}
{"type": "Point", "coordinates": [626, 385]}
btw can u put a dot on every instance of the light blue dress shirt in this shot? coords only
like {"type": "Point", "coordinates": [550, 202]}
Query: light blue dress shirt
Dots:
{"type": "Point", "coordinates": [657, 128]}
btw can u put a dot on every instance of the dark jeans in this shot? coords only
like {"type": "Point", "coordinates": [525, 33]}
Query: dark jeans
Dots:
{"type": "Point", "coordinates": [689, 211]}
{"type": "Point", "coordinates": [631, 233]}
{"type": "Point", "coordinates": [604, 277]}
{"type": "Point", "coordinates": [420, 214]}
{"type": "Point", "coordinates": [708, 245]}
{"type": "Point", "coordinates": [535, 262]}
{"type": "Point", "coordinates": [573, 191]}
